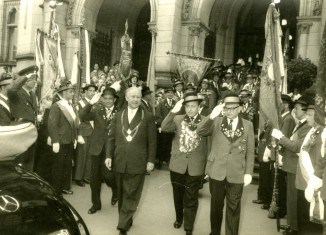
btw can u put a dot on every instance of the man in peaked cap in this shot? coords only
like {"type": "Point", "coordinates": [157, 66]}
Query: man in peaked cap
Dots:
{"type": "Point", "coordinates": [230, 162]}
{"type": "Point", "coordinates": [188, 159]}
{"type": "Point", "coordinates": [5, 115]}
{"type": "Point", "coordinates": [23, 106]}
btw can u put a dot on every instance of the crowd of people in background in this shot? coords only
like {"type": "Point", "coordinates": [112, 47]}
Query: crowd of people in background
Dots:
{"type": "Point", "coordinates": [81, 137]}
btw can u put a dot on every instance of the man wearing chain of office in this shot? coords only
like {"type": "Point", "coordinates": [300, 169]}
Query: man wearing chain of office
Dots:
{"type": "Point", "coordinates": [131, 151]}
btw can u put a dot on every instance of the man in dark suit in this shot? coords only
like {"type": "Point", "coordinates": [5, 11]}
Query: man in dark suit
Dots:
{"type": "Point", "coordinates": [230, 162]}
{"type": "Point", "coordinates": [131, 150]}
{"type": "Point", "coordinates": [289, 153]}
{"type": "Point", "coordinates": [6, 117]}
{"type": "Point", "coordinates": [23, 106]}
{"type": "Point", "coordinates": [146, 100]}
{"type": "Point", "coordinates": [102, 114]}
{"type": "Point", "coordinates": [63, 127]}
{"type": "Point", "coordinates": [83, 161]}
{"type": "Point", "coordinates": [187, 164]}
{"type": "Point", "coordinates": [164, 139]}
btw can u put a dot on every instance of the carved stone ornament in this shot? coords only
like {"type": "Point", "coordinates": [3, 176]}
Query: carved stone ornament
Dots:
{"type": "Point", "coordinates": [317, 8]}
{"type": "Point", "coordinates": [76, 33]}
{"type": "Point", "coordinates": [153, 30]}
{"type": "Point", "coordinates": [195, 30]}
{"type": "Point", "coordinates": [303, 28]}
{"type": "Point", "coordinates": [82, 16]}
{"type": "Point", "coordinates": [186, 10]}
{"type": "Point", "coordinates": [69, 12]}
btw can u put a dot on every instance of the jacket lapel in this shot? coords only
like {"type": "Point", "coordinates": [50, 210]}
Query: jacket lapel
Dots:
{"type": "Point", "coordinates": [299, 127]}
{"type": "Point", "coordinates": [137, 118]}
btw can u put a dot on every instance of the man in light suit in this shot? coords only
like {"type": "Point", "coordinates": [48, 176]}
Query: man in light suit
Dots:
{"type": "Point", "coordinates": [188, 159]}
{"type": "Point", "coordinates": [230, 162]}
{"type": "Point", "coordinates": [289, 155]}
{"type": "Point", "coordinates": [131, 151]}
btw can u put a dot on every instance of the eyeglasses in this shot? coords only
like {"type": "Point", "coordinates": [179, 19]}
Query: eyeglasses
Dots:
{"type": "Point", "coordinates": [231, 109]}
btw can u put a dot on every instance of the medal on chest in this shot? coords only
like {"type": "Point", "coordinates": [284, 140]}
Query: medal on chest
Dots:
{"type": "Point", "coordinates": [129, 134]}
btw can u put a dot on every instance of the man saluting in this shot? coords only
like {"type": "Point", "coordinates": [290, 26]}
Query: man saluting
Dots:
{"type": "Point", "coordinates": [230, 162]}
{"type": "Point", "coordinates": [131, 150]}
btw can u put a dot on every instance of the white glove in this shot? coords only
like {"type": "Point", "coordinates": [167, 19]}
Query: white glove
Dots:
{"type": "Point", "coordinates": [247, 179]}
{"type": "Point", "coordinates": [150, 166]}
{"type": "Point", "coordinates": [315, 182]}
{"type": "Point", "coordinates": [56, 147]}
{"type": "Point", "coordinates": [95, 98]}
{"type": "Point", "coordinates": [49, 141]}
{"type": "Point", "coordinates": [280, 160]}
{"type": "Point", "coordinates": [267, 155]}
{"type": "Point", "coordinates": [159, 130]}
{"type": "Point", "coordinates": [39, 118]}
{"type": "Point", "coordinates": [217, 111]}
{"type": "Point", "coordinates": [80, 140]}
{"type": "Point", "coordinates": [309, 193]}
{"type": "Point", "coordinates": [277, 134]}
{"type": "Point", "coordinates": [108, 163]}
{"type": "Point", "coordinates": [75, 144]}
{"type": "Point", "coordinates": [177, 107]}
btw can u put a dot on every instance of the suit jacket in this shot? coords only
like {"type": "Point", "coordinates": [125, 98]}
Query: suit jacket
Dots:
{"type": "Point", "coordinates": [229, 158]}
{"type": "Point", "coordinates": [314, 153]}
{"type": "Point", "coordinates": [320, 168]}
{"type": "Point", "coordinates": [162, 110]}
{"type": "Point", "coordinates": [264, 141]}
{"type": "Point", "coordinates": [102, 125]}
{"type": "Point", "coordinates": [22, 105]}
{"type": "Point", "coordinates": [132, 156]}
{"type": "Point", "coordinates": [180, 162]}
{"type": "Point", "coordinates": [86, 126]}
{"type": "Point", "coordinates": [146, 106]}
{"type": "Point", "coordinates": [5, 115]}
{"type": "Point", "coordinates": [292, 147]}
{"type": "Point", "coordinates": [62, 129]}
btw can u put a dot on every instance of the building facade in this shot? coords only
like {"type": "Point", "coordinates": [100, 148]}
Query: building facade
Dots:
{"type": "Point", "coordinates": [220, 29]}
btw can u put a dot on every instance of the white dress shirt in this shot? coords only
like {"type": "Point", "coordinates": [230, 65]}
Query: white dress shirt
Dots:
{"type": "Point", "coordinates": [234, 123]}
{"type": "Point", "coordinates": [131, 114]}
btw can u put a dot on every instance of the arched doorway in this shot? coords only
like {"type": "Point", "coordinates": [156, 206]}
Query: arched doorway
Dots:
{"type": "Point", "coordinates": [110, 26]}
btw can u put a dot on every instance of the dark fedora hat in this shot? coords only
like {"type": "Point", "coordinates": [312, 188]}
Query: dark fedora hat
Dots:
{"type": "Point", "coordinates": [169, 89]}
{"type": "Point", "coordinates": [28, 71]}
{"type": "Point", "coordinates": [304, 100]}
{"type": "Point", "coordinates": [110, 91]}
{"type": "Point", "coordinates": [286, 98]}
{"type": "Point", "coordinates": [88, 86]}
{"type": "Point", "coordinates": [191, 96]}
{"type": "Point", "coordinates": [5, 79]}
{"type": "Point", "coordinates": [65, 85]}
{"type": "Point", "coordinates": [145, 91]}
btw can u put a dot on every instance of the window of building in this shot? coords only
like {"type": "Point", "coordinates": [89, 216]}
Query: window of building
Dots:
{"type": "Point", "coordinates": [12, 35]}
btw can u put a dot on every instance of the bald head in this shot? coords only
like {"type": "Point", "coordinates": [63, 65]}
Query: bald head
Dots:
{"type": "Point", "coordinates": [133, 97]}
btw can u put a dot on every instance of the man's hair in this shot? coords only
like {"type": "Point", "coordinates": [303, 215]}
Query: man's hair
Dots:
{"type": "Point", "coordinates": [130, 89]}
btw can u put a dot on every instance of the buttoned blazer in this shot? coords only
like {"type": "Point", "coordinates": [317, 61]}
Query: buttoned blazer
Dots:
{"type": "Point", "coordinates": [315, 154]}
{"type": "Point", "coordinates": [102, 125]}
{"type": "Point", "coordinates": [85, 126]}
{"type": "Point", "coordinates": [292, 147]}
{"type": "Point", "coordinates": [60, 129]}
{"type": "Point", "coordinates": [5, 116]}
{"type": "Point", "coordinates": [162, 110]}
{"type": "Point", "coordinates": [22, 105]}
{"type": "Point", "coordinates": [132, 157]}
{"type": "Point", "coordinates": [180, 162]}
{"type": "Point", "coordinates": [228, 159]}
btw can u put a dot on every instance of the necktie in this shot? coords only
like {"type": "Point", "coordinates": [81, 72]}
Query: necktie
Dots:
{"type": "Point", "coordinates": [230, 127]}
{"type": "Point", "coordinates": [169, 102]}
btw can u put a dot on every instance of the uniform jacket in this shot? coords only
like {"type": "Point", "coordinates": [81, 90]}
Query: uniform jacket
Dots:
{"type": "Point", "coordinates": [162, 110]}
{"type": "Point", "coordinates": [22, 105]}
{"type": "Point", "coordinates": [86, 126]}
{"type": "Point", "coordinates": [132, 157]}
{"type": "Point", "coordinates": [5, 115]}
{"type": "Point", "coordinates": [292, 147]}
{"type": "Point", "coordinates": [102, 125]}
{"type": "Point", "coordinates": [314, 153]}
{"type": "Point", "coordinates": [62, 129]}
{"type": "Point", "coordinates": [229, 158]}
{"type": "Point", "coordinates": [180, 162]}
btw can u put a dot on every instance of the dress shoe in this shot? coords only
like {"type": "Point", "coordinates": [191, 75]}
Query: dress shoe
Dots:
{"type": "Point", "coordinates": [284, 227]}
{"type": "Point", "coordinates": [258, 201]}
{"type": "Point", "coordinates": [265, 207]}
{"type": "Point", "coordinates": [114, 201]}
{"type": "Point", "coordinates": [188, 232]}
{"type": "Point", "coordinates": [177, 224]}
{"type": "Point", "coordinates": [122, 232]}
{"type": "Point", "coordinates": [80, 183]}
{"type": "Point", "coordinates": [67, 191]}
{"type": "Point", "coordinates": [290, 232]}
{"type": "Point", "coordinates": [93, 210]}
{"type": "Point", "coordinates": [86, 181]}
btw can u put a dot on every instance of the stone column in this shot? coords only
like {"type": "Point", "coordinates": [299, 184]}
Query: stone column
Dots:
{"type": "Point", "coordinates": [30, 19]}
